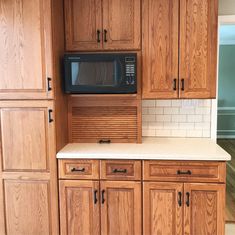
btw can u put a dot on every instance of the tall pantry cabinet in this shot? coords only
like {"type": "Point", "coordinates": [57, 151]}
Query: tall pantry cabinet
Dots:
{"type": "Point", "coordinates": [28, 108]}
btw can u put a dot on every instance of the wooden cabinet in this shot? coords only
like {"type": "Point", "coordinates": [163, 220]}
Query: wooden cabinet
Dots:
{"type": "Point", "coordinates": [79, 206]}
{"type": "Point", "coordinates": [179, 208]}
{"type": "Point", "coordinates": [204, 206]}
{"type": "Point", "coordinates": [28, 168]}
{"type": "Point", "coordinates": [172, 203]}
{"type": "Point", "coordinates": [190, 46]}
{"type": "Point", "coordinates": [160, 48]}
{"type": "Point", "coordinates": [120, 207]}
{"type": "Point", "coordinates": [100, 25]}
{"type": "Point", "coordinates": [26, 53]}
{"type": "Point", "coordinates": [162, 212]}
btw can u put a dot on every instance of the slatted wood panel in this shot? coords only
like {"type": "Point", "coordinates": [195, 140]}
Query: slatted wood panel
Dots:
{"type": "Point", "coordinates": [91, 124]}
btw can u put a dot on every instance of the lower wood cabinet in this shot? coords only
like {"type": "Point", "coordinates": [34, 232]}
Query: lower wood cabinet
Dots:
{"type": "Point", "coordinates": [178, 208]}
{"type": "Point", "coordinates": [79, 207]}
{"type": "Point", "coordinates": [80, 203]}
{"type": "Point", "coordinates": [120, 208]}
{"type": "Point", "coordinates": [149, 205]}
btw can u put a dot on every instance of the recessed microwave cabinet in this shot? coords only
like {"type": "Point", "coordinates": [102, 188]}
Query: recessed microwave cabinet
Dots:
{"type": "Point", "coordinates": [102, 25]}
{"type": "Point", "coordinates": [179, 45]}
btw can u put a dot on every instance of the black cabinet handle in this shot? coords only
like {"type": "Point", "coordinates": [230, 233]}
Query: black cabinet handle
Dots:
{"type": "Point", "coordinates": [182, 84]}
{"type": "Point", "coordinates": [119, 170]}
{"type": "Point", "coordinates": [187, 199]}
{"type": "Point", "coordinates": [95, 196]}
{"type": "Point", "coordinates": [78, 169]}
{"type": "Point", "coordinates": [104, 141]}
{"type": "Point", "coordinates": [174, 84]}
{"type": "Point", "coordinates": [179, 172]}
{"type": "Point", "coordinates": [105, 35]}
{"type": "Point", "coordinates": [102, 196]}
{"type": "Point", "coordinates": [180, 199]}
{"type": "Point", "coordinates": [49, 115]}
{"type": "Point", "coordinates": [49, 84]}
{"type": "Point", "coordinates": [98, 35]}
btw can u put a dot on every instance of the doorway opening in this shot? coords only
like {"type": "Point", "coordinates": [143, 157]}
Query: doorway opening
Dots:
{"type": "Point", "coordinates": [226, 105]}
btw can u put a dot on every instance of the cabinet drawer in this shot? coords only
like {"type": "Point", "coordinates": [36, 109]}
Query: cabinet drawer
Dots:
{"type": "Point", "coordinates": [184, 171]}
{"type": "Point", "coordinates": [79, 169]}
{"type": "Point", "coordinates": [121, 170]}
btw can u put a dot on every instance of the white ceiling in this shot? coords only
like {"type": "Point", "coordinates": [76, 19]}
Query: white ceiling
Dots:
{"type": "Point", "coordinates": [227, 34]}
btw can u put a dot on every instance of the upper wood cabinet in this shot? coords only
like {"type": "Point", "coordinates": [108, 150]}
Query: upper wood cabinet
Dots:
{"type": "Point", "coordinates": [100, 25]}
{"type": "Point", "coordinates": [160, 48]}
{"type": "Point", "coordinates": [198, 48]}
{"type": "Point", "coordinates": [179, 61]}
{"type": "Point", "coordinates": [25, 58]}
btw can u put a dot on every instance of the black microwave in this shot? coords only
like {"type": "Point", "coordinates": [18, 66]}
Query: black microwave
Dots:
{"type": "Point", "coordinates": [100, 73]}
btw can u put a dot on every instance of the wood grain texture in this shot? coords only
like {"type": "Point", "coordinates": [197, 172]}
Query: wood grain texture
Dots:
{"type": "Point", "coordinates": [91, 169]}
{"type": "Point", "coordinates": [58, 48]}
{"type": "Point", "coordinates": [94, 117]}
{"type": "Point", "coordinates": [198, 47]}
{"type": "Point", "coordinates": [160, 48]}
{"type": "Point", "coordinates": [130, 170]}
{"type": "Point", "coordinates": [121, 19]}
{"type": "Point", "coordinates": [121, 210]}
{"type": "Point", "coordinates": [2, 209]}
{"type": "Point", "coordinates": [27, 207]}
{"type": "Point", "coordinates": [206, 211]}
{"type": "Point", "coordinates": [82, 20]}
{"type": "Point", "coordinates": [79, 215]}
{"type": "Point", "coordinates": [201, 171]}
{"type": "Point", "coordinates": [25, 58]}
{"type": "Point", "coordinates": [161, 213]}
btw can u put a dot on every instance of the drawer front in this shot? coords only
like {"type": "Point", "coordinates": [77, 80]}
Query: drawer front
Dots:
{"type": "Point", "coordinates": [184, 171]}
{"type": "Point", "coordinates": [121, 170]}
{"type": "Point", "coordinates": [79, 169]}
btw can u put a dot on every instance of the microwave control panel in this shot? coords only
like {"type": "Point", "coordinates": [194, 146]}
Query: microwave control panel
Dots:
{"type": "Point", "coordinates": [130, 63]}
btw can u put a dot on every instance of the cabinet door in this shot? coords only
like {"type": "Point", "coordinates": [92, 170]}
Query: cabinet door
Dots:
{"type": "Point", "coordinates": [198, 48]}
{"type": "Point", "coordinates": [25, 58]}
{"type": "Point", "coordinates": [27, 135]}
{"type": "Point", "coordinates": [160, 48]}
{"type": "Point", "coordinates": [79, 207]}
{"type": "Point", "coordinates": [83, 25]}
{"type": "Point", "coordinates": [204, 209]}
{"type": "Point", "coordinates": [121, 24]}
{"type": "Point", "coordinates": [162, 208]}
{"type": "Point", "coordinates": [27, 207]}
{"type": "Point", "coordinates": [120, 208]}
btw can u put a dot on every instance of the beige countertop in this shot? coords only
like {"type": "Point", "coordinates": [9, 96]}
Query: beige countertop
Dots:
{"type": "Point", "coordinates": [150, 149]}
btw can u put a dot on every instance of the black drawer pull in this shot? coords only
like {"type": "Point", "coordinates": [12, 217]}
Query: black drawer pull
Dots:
{"type": "Point", "coordinates": [182, 84]}
{"type": "Point", "coordinates": [174, 84]}
{"type": "Point", "coordinates": [187, 199]}
{"type": "Point", "coordinates": [49, 84]}
{"type": "Point", "coordinates": [104, 141]}
{"type": "Point", "coordinates": [179, 172]}
{"type": "Point", "coordinates": [105, 35]}
{"type": "Point", "coordinates": [50, 111]}
{"type": "Point", "coordinates": [98, 35]}
{"type": "Point", "coordinates": [78, 169]}
{"type": "Point", "coordinates": [119, 170]}
{"type": "Point", "coordinates": [180, 199]}
{"type": "Point", "coordinates": [102, 196]}
{"type": "Point", "coordinates": [95, 196]}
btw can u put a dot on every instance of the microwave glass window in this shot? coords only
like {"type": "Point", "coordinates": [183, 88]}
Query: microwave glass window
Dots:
{"type": "Point", "coordinates": [93, 73]}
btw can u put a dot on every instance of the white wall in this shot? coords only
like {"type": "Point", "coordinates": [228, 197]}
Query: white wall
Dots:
{"type": "Point", "coordinates": [226, 7]}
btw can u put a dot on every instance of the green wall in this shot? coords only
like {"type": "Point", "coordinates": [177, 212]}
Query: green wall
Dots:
{"type": "Point", "coordinates": [226, 97]}
{"type": "Point", "coordinates": [227, 76]}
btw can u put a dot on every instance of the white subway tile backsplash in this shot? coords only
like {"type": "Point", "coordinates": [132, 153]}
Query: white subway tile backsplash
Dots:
{"type": "Point", "coordinates": [176, 118]}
